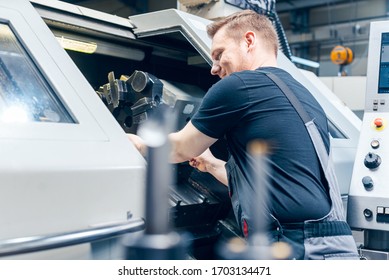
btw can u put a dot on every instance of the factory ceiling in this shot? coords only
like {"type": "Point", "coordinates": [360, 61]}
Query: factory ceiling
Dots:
{"type": "Point", "coordinates": [290, 5]}
{"type": "Point", "coordinates": [120, 7]}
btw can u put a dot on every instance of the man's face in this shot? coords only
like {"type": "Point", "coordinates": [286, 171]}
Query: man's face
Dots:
{"type": "Point", "coordinates": [228, 54]}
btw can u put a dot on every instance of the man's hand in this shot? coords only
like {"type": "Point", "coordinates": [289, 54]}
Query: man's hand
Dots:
{"type": "Point", "coordinates": [138, 143]}
{"type": "Point", "coordinates": [203, 162]}
{"type": "Point", "coordinates": [206, 162]}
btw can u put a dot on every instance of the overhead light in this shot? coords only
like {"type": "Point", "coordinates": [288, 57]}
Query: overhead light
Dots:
{"type": "Point", "coordinates": [81, 44]}
{"type": "Point", "coordinates": [76, 45]}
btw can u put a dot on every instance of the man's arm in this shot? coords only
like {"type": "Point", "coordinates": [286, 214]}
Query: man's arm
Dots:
{"type": "Point", "coordinates": [189, 144]}
{"type": "Point", "coordinates": [186, 144]}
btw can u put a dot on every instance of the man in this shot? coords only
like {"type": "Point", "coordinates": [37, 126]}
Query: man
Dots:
{"type": "Point", "coordinates": [245, 106]}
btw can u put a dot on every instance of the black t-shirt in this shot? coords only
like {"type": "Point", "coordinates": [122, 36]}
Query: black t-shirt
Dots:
{"type": "Point", "coordinates": [248, 106]}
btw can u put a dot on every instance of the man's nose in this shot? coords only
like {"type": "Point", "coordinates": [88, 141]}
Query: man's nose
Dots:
{"type": "Point", "coordinates": [215, 69]}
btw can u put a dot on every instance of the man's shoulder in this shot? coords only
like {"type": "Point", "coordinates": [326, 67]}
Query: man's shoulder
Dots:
{"type": "Point", "coordinates": [229, 82]}
{"type": "Point", "coordinates": [274, 70]}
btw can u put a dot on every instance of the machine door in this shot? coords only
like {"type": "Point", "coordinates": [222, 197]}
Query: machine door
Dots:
{"type": "Point", "coordinates": [65, 163]}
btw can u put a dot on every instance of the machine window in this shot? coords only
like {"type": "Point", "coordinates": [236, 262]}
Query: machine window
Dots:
{"type": "Point", "coordinates": [335, 132]}
{"type": "Point", "coordinates": [25, 96]}
{"type": "Point", "coordinates": [383, 83]}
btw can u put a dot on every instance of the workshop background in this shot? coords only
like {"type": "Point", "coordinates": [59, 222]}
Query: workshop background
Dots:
{"type": "Point", "coordinates": [313, 28]}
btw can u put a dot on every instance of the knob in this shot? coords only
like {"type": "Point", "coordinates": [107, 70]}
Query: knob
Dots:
{"type": "Point", "coordinates": [368, 183]}
{"type": "Point", "coordinates": [368, 213]}
{"type": "Point", "coordinates": [372, 160]}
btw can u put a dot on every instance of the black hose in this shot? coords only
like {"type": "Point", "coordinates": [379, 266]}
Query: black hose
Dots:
{"type": "Point", "coordinates": [282, 40]}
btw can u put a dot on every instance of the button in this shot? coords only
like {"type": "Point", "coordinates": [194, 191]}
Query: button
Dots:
{"type": "Point", "coordinates": [375, 108]}
{"type": "Point", "coordinates": [375, 144]}
{"type": "Point", "coordinates": [380, 210]}
{"type": "Point", "coordinates": [375, 101]}
{"type": "Point", "coordinates": [386, 210]}
{"type": "Point", "coordinates": [382, 101]}
{"type": "Point", "coordinates": [367, 213]}
{"type": "Point", "coordinates": [378, 122]}
{"type": "Point", "coordinates": [368, 183]}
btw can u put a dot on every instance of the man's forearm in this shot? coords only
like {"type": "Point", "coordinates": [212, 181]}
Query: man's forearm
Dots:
{"type": "Point", "coordinates": [217, 169]}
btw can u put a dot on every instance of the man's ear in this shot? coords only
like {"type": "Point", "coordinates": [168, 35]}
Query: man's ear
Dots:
{"type": "Point", "coordinates": [250, 39]}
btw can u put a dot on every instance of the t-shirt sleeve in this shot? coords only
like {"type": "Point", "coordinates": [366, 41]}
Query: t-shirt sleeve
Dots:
{"type": "Point", "coordinates": [222, 107]}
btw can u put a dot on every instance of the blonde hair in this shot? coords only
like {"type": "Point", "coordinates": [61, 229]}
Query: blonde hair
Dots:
{"type": "Point", "coordinates": [240, 22]}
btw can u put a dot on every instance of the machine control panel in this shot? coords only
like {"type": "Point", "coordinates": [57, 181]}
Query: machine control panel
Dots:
{"type": "Point", "coordinates": [368, 201]}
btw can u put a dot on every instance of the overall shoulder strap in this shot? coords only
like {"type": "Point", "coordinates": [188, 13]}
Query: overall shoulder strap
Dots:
{"type": "Point", "coordinates": [307, 120]}
{"type": "Point", "coordinates": [318, 143]}
{"type": "Point", "coordinates": [290, 95]}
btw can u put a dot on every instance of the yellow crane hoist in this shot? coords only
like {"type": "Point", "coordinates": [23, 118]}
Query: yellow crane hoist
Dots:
{"type": "Point", "coordinates": [341, 56]}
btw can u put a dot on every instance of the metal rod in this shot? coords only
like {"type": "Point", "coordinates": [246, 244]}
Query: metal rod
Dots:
{"type": "Point", "coordinates": [32, 244]}
{"type": "Point", "coordinates": [159, 172]}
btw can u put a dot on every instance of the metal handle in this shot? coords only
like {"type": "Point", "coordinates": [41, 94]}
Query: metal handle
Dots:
{"type": "Point", "coordinates": [31, 244]}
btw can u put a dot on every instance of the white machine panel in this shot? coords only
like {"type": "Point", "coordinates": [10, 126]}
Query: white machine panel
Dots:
{"type": "Point", "coordinates": [65, 163]}
{"type": "Point", "coordinates": [368, 205]}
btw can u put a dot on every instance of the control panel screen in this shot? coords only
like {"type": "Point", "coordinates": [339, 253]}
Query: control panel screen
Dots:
{"type": "Point", "coordinates": [25, 95]}
{"type": "Point", "coordinates": [383, 82]}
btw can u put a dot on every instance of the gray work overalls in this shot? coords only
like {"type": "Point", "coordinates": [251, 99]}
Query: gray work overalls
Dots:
{"type": "Point", "coordinates": [327, 238]}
